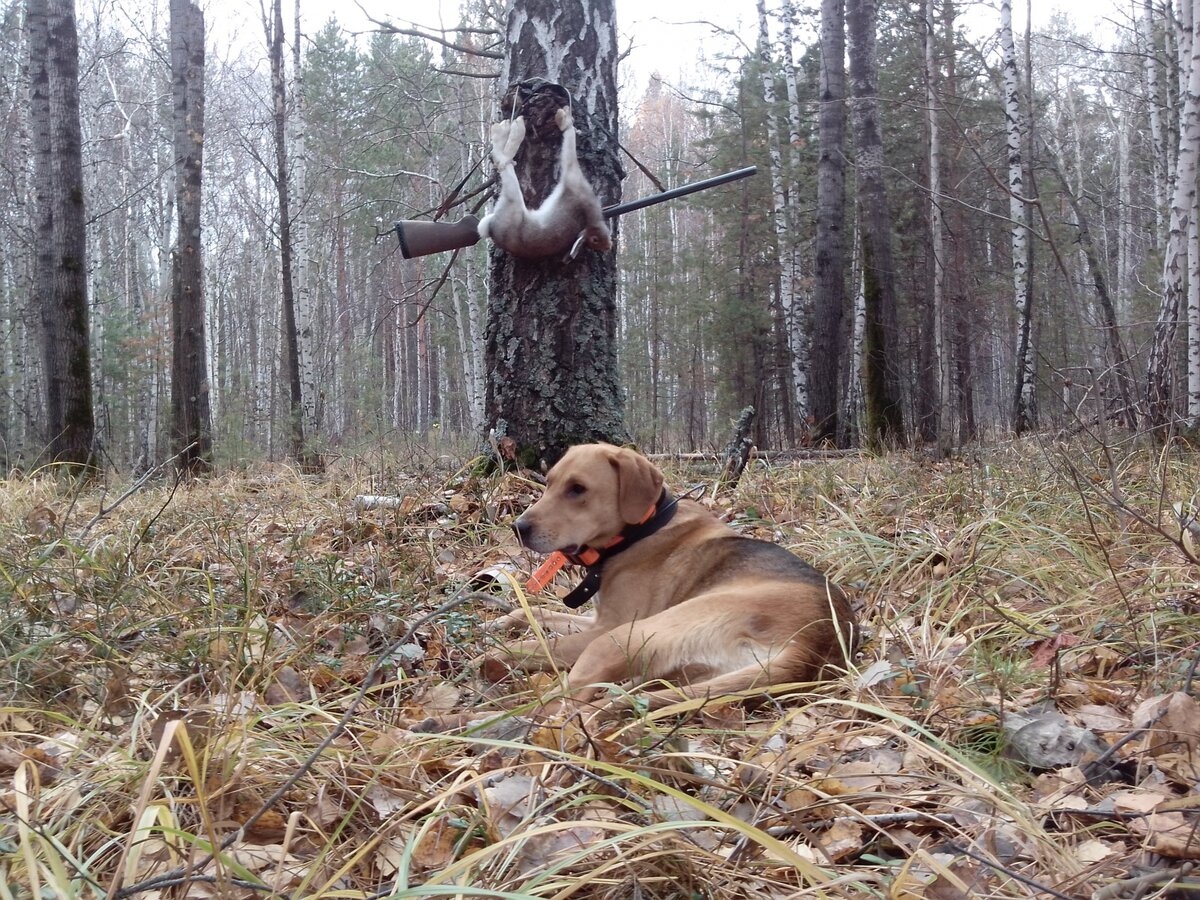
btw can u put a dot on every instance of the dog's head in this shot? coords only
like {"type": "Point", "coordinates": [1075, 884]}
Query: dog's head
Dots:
{"type": "Point", "coordinates": [592, 494]}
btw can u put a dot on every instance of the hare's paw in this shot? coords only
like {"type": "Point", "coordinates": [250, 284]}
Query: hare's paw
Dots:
{"type": "Point", "coordinates": [564, 119]}
{"type": "Point", "coordinates": [516, 136]}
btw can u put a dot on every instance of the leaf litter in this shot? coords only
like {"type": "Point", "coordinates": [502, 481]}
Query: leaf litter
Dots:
{"type": "Point", "coordinates": [1020, 716]}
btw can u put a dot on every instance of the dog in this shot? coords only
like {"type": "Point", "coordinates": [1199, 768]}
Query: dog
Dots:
{"type": "Point", "coordinates": [680, 597]}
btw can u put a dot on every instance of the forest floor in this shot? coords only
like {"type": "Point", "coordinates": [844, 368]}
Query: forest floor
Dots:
{"type": "Point", "coordinates": [236, 664]}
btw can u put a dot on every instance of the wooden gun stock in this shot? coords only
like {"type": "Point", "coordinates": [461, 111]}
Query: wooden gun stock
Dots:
{"type": "Point", "coordinates": [420, 238]}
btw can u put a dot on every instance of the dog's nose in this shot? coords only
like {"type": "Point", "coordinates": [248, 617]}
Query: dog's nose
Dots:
{"type": "Point", "coordinates": [522, 528]}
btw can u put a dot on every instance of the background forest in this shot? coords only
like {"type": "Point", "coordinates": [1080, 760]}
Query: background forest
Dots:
{"type": "Point", "coordinates": [716, 293]}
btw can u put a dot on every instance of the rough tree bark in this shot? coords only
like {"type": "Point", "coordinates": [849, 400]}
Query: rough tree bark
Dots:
{"type": "Point", "coordinates": [191, 425]}
{"type": "Point", "coordinates": [1025, 396]}
{"type": "Point", "coordinates": [60, 280]}
{"type": "Point", "coordinates": [829, 303]}
{"type": "Point", "coordinates": [551, 333]}
{"type": "Point", "coordinates": [881, 375]}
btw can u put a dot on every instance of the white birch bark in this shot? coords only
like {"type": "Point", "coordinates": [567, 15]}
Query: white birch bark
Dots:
{"type": "Point", "coordinates": [1182, 211]}
{"type": "Point", "coordinates": [853, 412]}
{"type": "Point", "coordinates": [1153, 90]}
{"type": "Point", "coordinates": [1126, 264]}
{"type": "Point", "coordinates": [1024, 404]}
{"type": "Point", "coordinates": [798, 314]}
{"type": "Point", "coordinates": [784, 236]}
{"type": "Point", "coordinates": [305, 334]}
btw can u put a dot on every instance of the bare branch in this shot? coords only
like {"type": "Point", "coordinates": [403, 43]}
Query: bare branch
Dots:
{"type": "Point", "coordinates": [418, 32]}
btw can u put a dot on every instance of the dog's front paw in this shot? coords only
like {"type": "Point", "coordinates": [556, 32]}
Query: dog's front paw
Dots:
{"type": "Point", "coordinates": [508, 623]}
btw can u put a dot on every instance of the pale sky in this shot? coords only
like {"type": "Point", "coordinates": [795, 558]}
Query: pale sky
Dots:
{"type": "Point", "coordinates": [666, 36]}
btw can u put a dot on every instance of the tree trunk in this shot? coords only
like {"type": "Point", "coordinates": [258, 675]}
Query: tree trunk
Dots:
{"type": "Point", "coordinates": [1160, 371]}
{"type": "Point", "coordinates": [191, 426]}
{"type": "Point", "coordinates": [850, 421]}
{"type": "Point", "coordinates": [1192, 419]}
{"type": "Point", "coordinates": [307, 458]}
{"type": "Point", "coordinates": [941, 346]}
{"type": "Point", "coordinates": [60, 281]}
{"type": "Point", "coordinates": [881, 374]}
{"type": "Point", "coordinates": [786, 280]}
{"type": "Point", "coordinates": [551, 334]}
{"type": "Point", "coordinates": [1024, 401]}
{"type": "Point", "coordinates": [306, 343]}
{"type": "Point", "coordinates": [1158, 142]}
{"type": "Point", "coordinates": [830, 301]}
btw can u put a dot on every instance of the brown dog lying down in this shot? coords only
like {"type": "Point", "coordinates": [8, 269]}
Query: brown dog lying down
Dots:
{"type": "Point", "coordinates": [682, 597]}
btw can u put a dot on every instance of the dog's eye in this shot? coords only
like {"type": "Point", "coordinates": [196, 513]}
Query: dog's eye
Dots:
{"type": "Point", "coordinates": [576, 490]}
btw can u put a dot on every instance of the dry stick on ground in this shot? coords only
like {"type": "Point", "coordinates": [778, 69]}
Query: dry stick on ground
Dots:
{"type": "Point", "coordinates": [1137, 887]}
{"type": "Point", "coordinates": [184, 874]}
{"type": "Point", "coordinates": [133, 489]}
{"type": "Point", "coordinates": [1004, 870]}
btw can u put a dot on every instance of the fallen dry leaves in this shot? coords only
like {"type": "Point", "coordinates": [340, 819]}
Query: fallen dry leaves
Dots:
{"type": "Point", "coordinates": [1020, 717]}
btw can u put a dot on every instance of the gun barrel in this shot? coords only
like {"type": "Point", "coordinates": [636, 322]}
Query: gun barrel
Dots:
{"type": "Point", "coordinates": [683, 190]}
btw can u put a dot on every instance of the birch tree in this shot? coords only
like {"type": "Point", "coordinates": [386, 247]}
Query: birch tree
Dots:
{"type": "Point", "coordinates": [830, 300]}
{"type": "Point", "coordinates": [787, 258]}
{"type": "Point", "coordinates": [1160, 370]}
{"type": "Point", "coordinates": [551, 334]}
{"type": "Point", "coordinates": [191, 427]}
{"type": "Point", "coordinates": [298, 177]}
{"type": "Point", "coordinates": [60, 281]}
{"type": "Point", "coordinates": [1025, 396]}
{"type": "Point", "coordinates": [1150, 67]}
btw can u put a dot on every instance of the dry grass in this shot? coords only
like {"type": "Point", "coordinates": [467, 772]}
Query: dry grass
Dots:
{"type": "Point", "coordinates": [169, 665]}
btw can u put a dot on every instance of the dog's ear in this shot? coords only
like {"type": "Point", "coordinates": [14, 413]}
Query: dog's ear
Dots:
{"type": "Point", "coordinates": [639, 482]}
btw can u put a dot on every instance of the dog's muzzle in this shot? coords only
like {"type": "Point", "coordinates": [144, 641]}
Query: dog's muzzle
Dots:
{"type": "Point", "coordinates": [523, 530]}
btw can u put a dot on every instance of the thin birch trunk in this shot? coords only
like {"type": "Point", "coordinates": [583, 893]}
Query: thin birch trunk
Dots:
{"type": "Point", "coordinates": [1126, 264]}
{"type": "Point", "coordinates": [786, 281]}
{"type": "Point", "coordinates": [799, 316]}
{"type": "Point", "coordinates": [1158, 144]}
{"type": "Point", "coordinates": [1024, 403]}
{"type": "Point", "coordinates": [305, 334]}
{"type": "Point", "coordinates": [852, 411]}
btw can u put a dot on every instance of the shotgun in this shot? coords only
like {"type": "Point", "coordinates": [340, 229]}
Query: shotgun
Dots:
{"type": "Point", "coordinates": [419, 237]}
